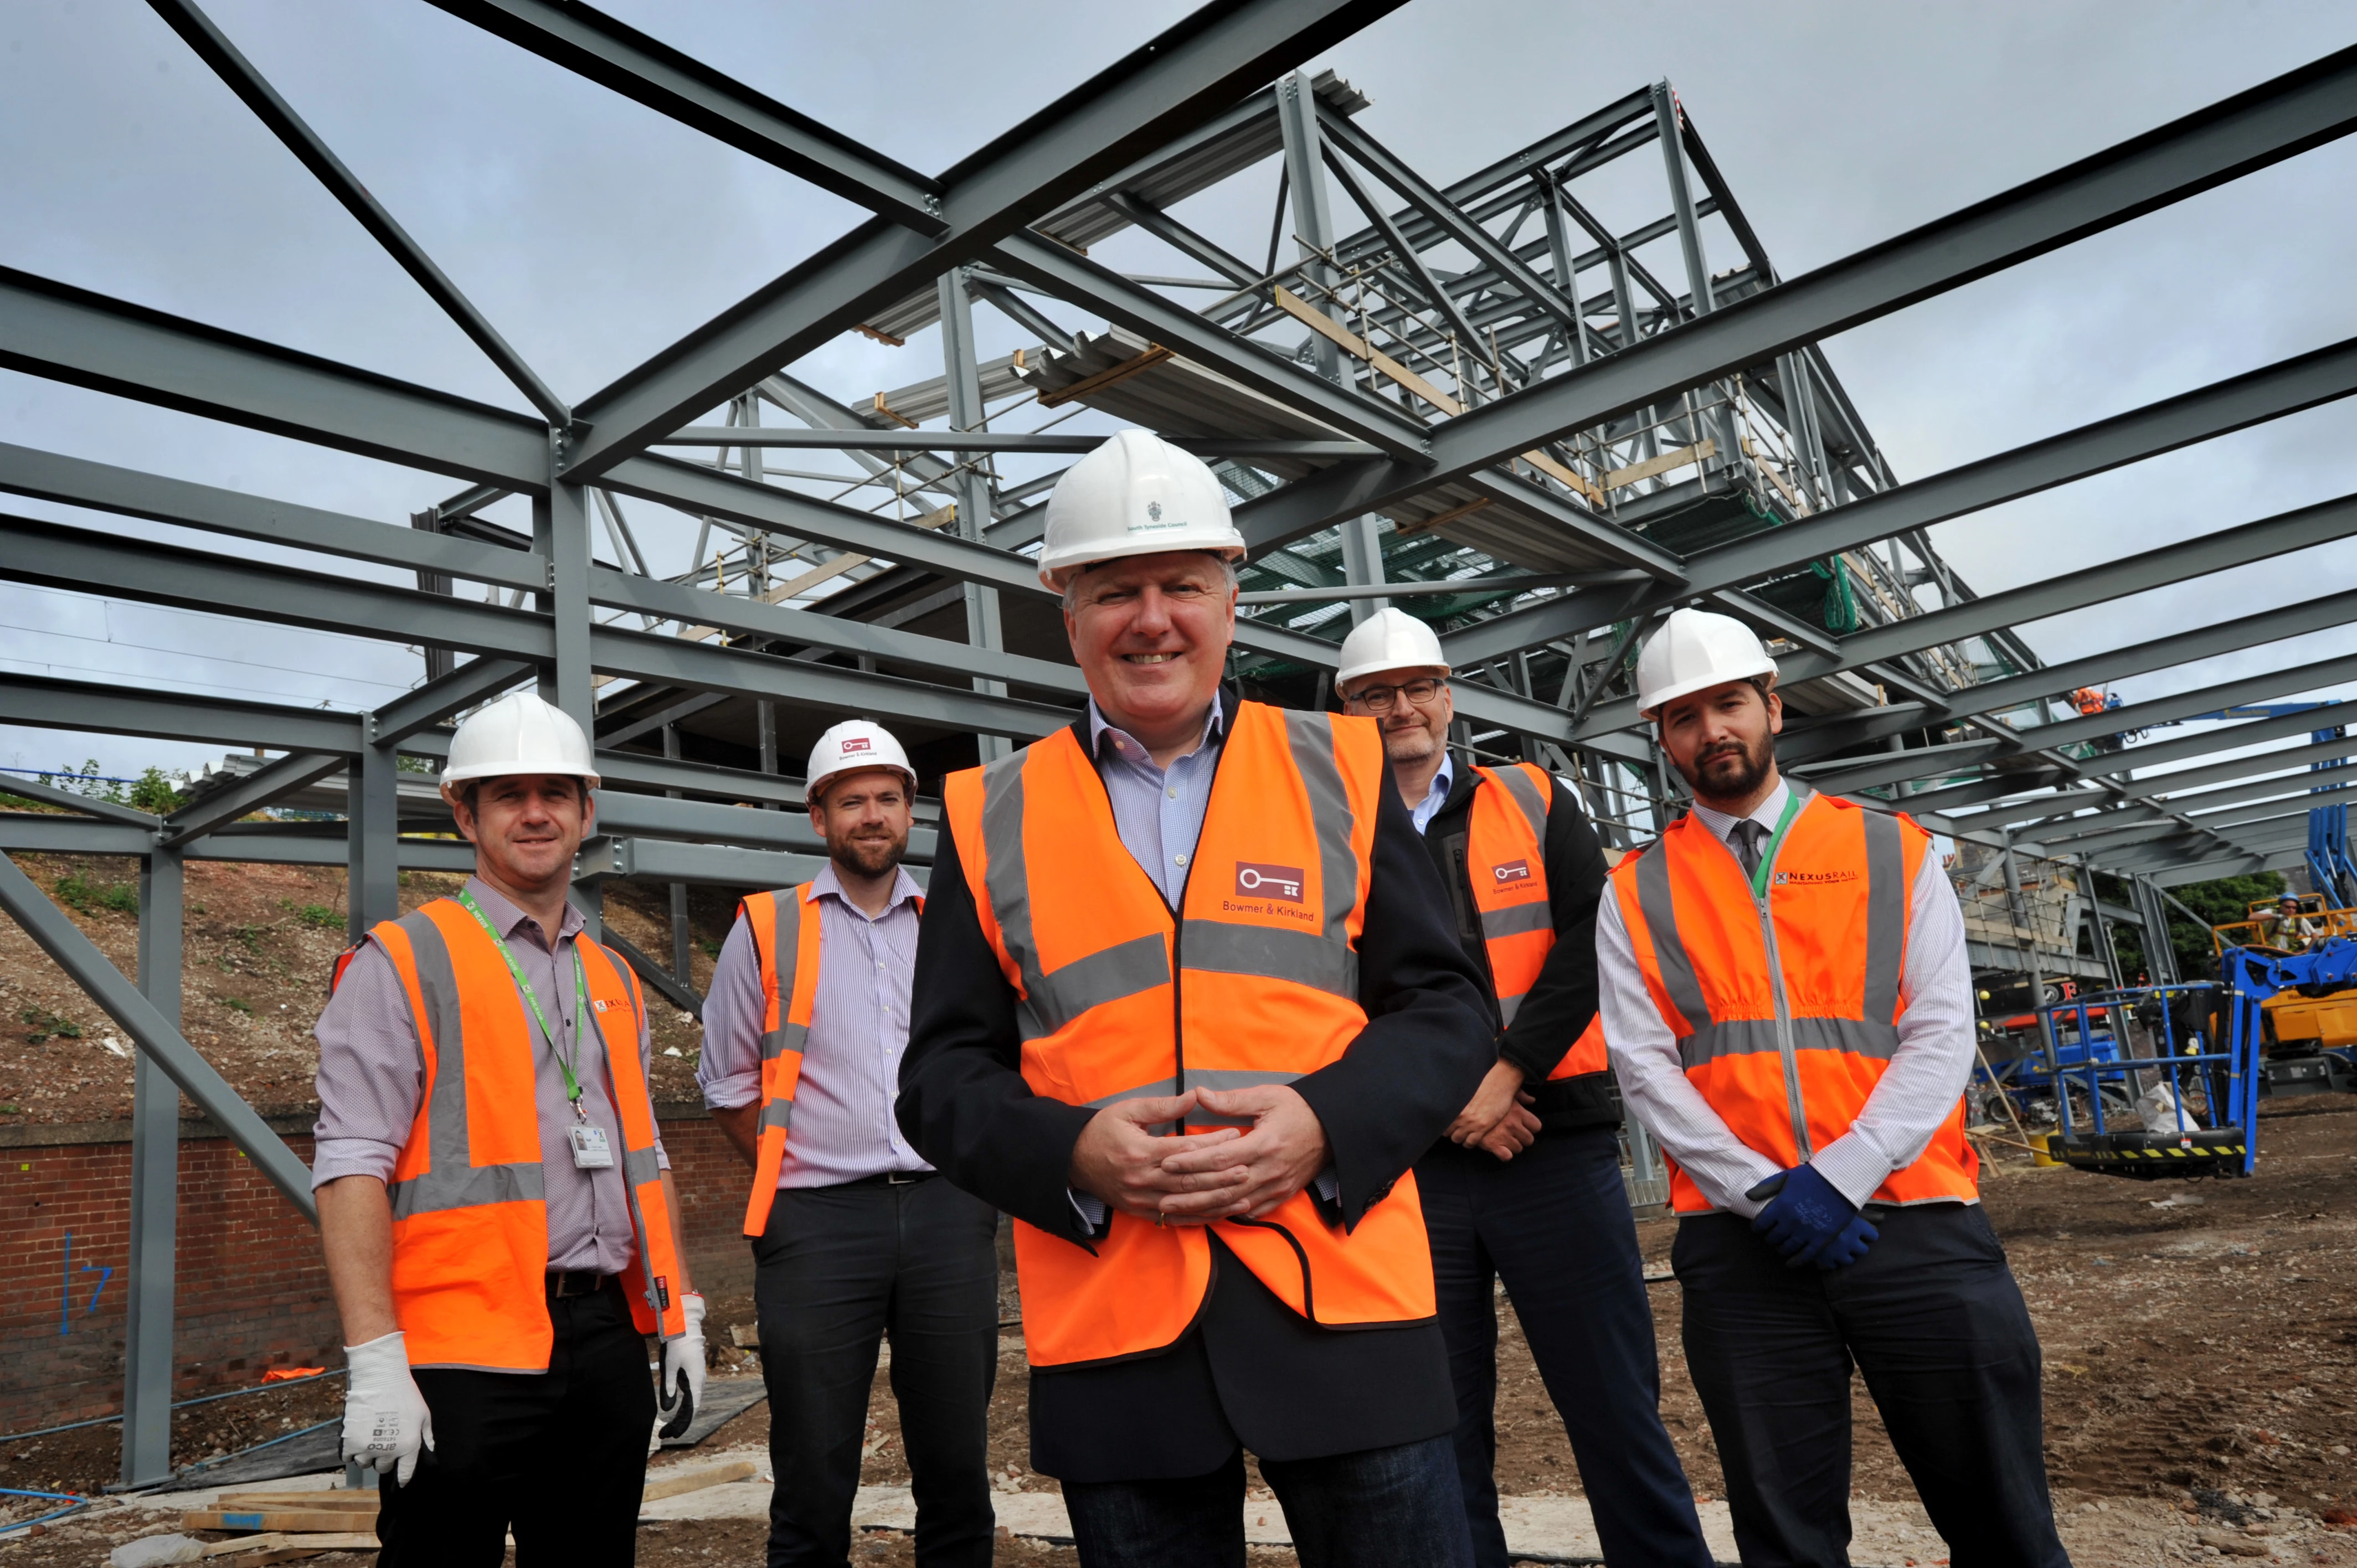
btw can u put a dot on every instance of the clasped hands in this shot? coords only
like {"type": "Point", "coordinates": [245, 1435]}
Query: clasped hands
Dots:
{"type": "Point", "coordinates": [1227, 1173]}
{"type": "Point", "coordinates": [1499, 1118]}
{"type": "Point", "coordinates": [1809, 1220]}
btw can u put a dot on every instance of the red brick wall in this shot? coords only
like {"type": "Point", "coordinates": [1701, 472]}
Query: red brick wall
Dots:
{"type": "Point", "coordinates": [250, 1290]}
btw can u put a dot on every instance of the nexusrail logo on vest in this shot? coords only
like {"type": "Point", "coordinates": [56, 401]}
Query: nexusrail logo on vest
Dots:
{"type": "Point", "coordinates": [1814, 879]}
{"type": "Point", "coordinates": [1281, 883]}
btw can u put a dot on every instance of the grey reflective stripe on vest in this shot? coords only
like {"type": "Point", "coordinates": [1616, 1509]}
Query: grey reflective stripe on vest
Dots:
{"type": "Point", "coordinates": [1507, 1008]}
{"type": "Point", "coordinates": [1527, 795]}
{"type": "Point", "coordinates": [1324, 959]}
{"type": "Point", "coordinates": [1662, 924]}
{"type": "Point", "coordinates": [451, 1178]}
{"type": "Point", "coordinates": [777, 1114]}
{"type": "Point", "coordinates": [639, 1166]}
{"type": "Point", "coordinates": [1887, 896]}
{"type": "Point", "coordinates": [1759, 1037]}
{"type": "Point", "coordinates": [786, 936]}
{"type": "Point", "coordinates": [1106, 975]}
{"type": "Point", "coordinates": [1517, 920]}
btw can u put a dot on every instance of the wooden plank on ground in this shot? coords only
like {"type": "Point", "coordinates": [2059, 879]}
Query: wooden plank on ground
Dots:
{"type": "Point", "coordinates": [670, 1482]}
{"type": "Point", "coordinates": [301, 1502]}
{"type": "Point", "coordinates": [314, 1521]}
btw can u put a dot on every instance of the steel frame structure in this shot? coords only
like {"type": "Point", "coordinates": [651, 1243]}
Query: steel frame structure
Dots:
{"type": "Point", "coordinates": [1486, 403]}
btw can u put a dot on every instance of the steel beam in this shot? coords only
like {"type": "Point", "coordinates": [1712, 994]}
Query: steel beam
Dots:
{"type": "Point", "coordinates": [2274, 684]}
{"type": "Point", "coordinates": [89, 806]}
{"type": "Point", "coordinates": [2270, 392]}
{"type": "Point", "coordinates": [155, 1034]}
{"type": "Point", "coordinates": [474, 681]}
{"type": "Point", "coordinates": [147, 1362]}
{"type": "Point", "coordinates": [622, 815]}
{"type": "Point", "coordinates": [658, 860]}
{"type": "Point", "coordinates": [1073, 277]}
{"type": "Point", "coordinates": [2167, 786]}
{"type": "Point", "coordinates": [126, 492]}
{"type": "Point", "coordinates": [67, 334]}
{"type": "Point", "coordinates": [212, 46]}
{"type": "Point", "coordinates": [1186, 76]}
{"type": "Point", "coordinates": [909, 442]}
{"type": "Point", "coordinates": [40, 703]}
{"type": "Point", "coordinates": [591, 43]}
{"type": "Point", "coordinates": [249, 794]}
{"type": "Point", "coordinates": [2275, 121]}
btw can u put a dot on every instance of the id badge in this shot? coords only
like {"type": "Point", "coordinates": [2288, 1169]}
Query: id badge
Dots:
{"type": "Point", "coordinates": [591, 1151]}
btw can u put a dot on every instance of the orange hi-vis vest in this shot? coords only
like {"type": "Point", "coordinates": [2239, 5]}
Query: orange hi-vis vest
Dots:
{"type": "Point", "coordinates": [1505, 851]}
{"type": "Point", "coordinates": [789, 990]}
{"type": "Point", "coordinates": [469, 1221]}
{"type": "Point", "coordinates": [1786, 1004]}
{"type": "Point", "coordinates": [1255, 980]}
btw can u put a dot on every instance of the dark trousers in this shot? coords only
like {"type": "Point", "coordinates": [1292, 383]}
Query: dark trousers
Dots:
{"type": "Point", "coordinates": [838, 1268]}
{"type": "Point", "coordinates": [558, 1456]}
{"type": "Point", "coordinates": [1933, 1317]}
{"type": "Point", "coordinates": [1380, 1507]}
{"type": "Point", "coordinates": [1553, 1224]}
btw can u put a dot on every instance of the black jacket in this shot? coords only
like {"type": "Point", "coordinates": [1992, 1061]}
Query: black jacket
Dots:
{"type": "Point", "coordinates": [1250, 1368]}
{"type": "Point", "coordinates": [1563, 999]}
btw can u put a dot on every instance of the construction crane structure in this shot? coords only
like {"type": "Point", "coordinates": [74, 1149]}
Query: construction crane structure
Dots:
{"type": "Point", "coordinates": [1539, 404]}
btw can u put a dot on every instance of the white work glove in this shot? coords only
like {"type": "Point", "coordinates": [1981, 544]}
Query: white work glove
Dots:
{"type": "Point", "coordinates": [683, 1372]}
{"type": "Point", "coordinates": [385, 1418]}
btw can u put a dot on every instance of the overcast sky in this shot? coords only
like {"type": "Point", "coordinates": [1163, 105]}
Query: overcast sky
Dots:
{"type": "Point", "coordinates": [593, 232]}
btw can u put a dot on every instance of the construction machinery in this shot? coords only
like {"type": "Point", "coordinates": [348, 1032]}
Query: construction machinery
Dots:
{"type": "Point", "coordinates": [2297, 1022]}
{"type": "Point", "coordinates": [2142, 1082]}
{"type": "Point", "coordinates": [2298, 1011]}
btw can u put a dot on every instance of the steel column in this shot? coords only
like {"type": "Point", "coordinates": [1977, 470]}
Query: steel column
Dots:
{"type": "Point", "coordinates": [962, 374]}
{"type": "Point", "coordinates": [155, 1187]}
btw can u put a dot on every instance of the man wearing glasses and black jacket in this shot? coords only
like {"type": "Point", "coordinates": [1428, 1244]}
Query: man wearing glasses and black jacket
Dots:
{"type": "Point", "coordinates": [1526, 1187]}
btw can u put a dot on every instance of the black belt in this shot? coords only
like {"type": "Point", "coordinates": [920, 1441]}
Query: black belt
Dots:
{"type": "Point", "coordinates": [563, 1282]}
{"type": "Point", "coordinates": [894, 1178]}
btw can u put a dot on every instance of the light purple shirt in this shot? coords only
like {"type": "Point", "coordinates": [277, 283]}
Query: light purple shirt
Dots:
{"type": "Point", "coordinates": [372, 1078]}
{"type": "Point", "coordinates": [843, 1129]}
{"type": "Point", "coordinates": [1158, 811]}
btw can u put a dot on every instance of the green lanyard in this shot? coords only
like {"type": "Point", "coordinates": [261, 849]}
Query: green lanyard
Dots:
{"type": "Point", "coordinates": [1759, 873]}
{"type": "Point", "coordinates": [580, 1003]}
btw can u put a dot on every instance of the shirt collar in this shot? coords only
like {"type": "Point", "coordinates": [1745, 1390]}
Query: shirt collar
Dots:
{"type": "Point", "coordinates": [826, 883]}
{"type": "Point", "coordinates": [1129, 747]}
{"type": "Point", "coordinates": [1768, 813]}
{"type": "Point", "coordinates": [1442, 780]}
{"type": "Point", "coordinates": [508, 920]}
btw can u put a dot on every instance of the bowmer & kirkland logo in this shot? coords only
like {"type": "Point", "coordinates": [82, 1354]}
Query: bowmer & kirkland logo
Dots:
{"type": "Point", "coordinates": [1278, 883]}
{"type": "Point", "coordinates": [1512, 871]}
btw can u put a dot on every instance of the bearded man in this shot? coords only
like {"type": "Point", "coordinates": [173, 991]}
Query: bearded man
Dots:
{"type": "Point", "coordinates": [853, 1238]}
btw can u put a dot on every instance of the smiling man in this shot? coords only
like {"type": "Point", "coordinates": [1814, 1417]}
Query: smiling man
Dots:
{"type": "Point", "coordinates": [1188, 1007]}
{"type": "Point", "coordinates": [1788, 1005]}
{"type": "Point", "coordinates": [853, 1240]}
{"type": "Point", "coordinates": [500, 1228]}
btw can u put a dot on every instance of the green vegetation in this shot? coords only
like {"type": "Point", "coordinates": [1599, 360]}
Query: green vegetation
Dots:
{"type": "Point", "coordinates": [41, 1026]}
{"type": "Point", "coordinates": [2218, 902]}
{"type": "Point", "coordinates": [81, 893]}
{"type": "Point", "coordinates": [154, 791]}
{"type": "Point", "coordinates": [239, 1003]}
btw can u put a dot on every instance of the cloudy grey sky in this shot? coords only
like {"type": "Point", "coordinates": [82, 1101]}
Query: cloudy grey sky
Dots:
{"type": "Point", "coordinates": [593, 232]}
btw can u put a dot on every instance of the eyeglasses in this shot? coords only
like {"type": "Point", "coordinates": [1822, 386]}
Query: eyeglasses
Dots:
{"type": "Point", "coordinates": [1378, 699]}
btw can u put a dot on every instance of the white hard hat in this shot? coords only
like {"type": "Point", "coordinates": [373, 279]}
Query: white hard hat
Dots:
{"type": "Point", "coordinates": [1136, 495]}
{"type": "Point", "coordinates": [1695, 650]}
{"type": "Point", "coordinates": [1388, 639]}
{"type": "Point", "coordinates": [851, 745]}
{"type": "Point", "coordinates": [519, 733]}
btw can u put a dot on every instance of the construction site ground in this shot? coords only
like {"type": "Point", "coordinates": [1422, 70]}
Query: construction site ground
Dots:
{"type": "Point", "coordinates": [2200, 1338]}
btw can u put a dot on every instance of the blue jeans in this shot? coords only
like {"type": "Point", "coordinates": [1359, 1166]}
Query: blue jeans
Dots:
{"type": "Point", "coordinates": [1553, 1224]}
{"type": "Point", "coordinates": [1382, 1507]}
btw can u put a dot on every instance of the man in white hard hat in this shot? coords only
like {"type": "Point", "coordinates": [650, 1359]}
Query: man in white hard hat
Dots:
{"type": "Point", "coordinates": [497, 1215]}
{"type": "Point", "coordinates": [1188, 1008]}
{"type": "Point", "coordinates": [1526, 1187]}
{"type": "Point", "coordinates": [853, 1238]}
{"type": "Point", "coordinates": [1788, 1004]}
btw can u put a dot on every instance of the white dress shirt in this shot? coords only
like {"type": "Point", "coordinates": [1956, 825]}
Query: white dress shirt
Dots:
{"type": "Point", "coordinates": [1916, 1093]}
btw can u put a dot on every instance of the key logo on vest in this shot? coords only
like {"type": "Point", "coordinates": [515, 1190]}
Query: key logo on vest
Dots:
{"type": "Point", "coordinates": [1512, 871]}
{"type": "Point", "coordinates": [1814, 879]}
{"type": "Point", "coordinates": [1280, 884]}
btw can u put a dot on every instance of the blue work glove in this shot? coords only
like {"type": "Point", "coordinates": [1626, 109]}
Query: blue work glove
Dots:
{"type": "Point", "coordinates": [1808, 1220]}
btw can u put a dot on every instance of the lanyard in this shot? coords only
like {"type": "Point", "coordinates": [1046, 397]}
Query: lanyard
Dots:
{"type": "Point", "coordinates": [1767, 853]}
{"type": "Point", "coordinates": [580, 1003]}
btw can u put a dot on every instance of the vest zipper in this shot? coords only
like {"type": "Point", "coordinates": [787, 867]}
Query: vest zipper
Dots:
{"type": "Point", "coordinates": [1794, 1103]}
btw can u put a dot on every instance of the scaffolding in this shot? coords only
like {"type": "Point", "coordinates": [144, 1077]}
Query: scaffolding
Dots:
{"type": "Point", "coordinates": [1539, 407]}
